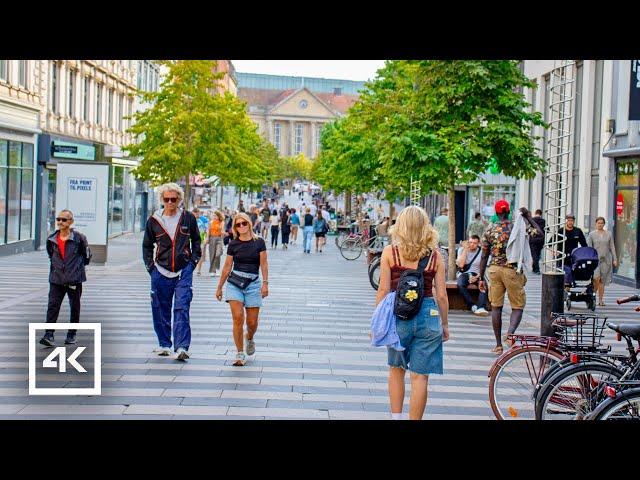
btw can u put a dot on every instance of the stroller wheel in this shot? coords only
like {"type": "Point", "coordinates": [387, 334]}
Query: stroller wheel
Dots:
{"type": "Point", "coordinates": [591, 304]}
{"type": "Point", "coordinates": [567, 303]}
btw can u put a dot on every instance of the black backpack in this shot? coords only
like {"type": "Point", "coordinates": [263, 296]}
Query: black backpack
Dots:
{"type": "Point", "coordinates": [410, 291]}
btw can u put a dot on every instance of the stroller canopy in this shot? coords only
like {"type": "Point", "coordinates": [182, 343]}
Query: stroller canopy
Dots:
{"type": "Point", "coordinates": [584, 261]}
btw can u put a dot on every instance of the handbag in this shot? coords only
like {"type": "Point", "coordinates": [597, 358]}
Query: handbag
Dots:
{"type": "Point", "coordinates": [240, 281]}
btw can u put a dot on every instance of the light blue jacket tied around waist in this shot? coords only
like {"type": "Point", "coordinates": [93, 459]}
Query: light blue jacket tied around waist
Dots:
{"type": "Point", "coordinates": [383, 324]}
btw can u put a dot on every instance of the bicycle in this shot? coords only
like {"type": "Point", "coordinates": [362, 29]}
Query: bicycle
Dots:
{"type": "Point", "coordinates": [352, 247]}
{"type": "Point", "coordinates": [515, 374]}
{"type": "Point", "coordinates": [576, 390]}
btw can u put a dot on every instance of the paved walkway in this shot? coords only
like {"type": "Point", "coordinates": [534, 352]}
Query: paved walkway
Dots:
{"type": "Point", "coordinates": [313, 357]}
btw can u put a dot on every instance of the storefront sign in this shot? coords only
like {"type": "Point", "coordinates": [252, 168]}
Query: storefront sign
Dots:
{"type": "Point", "coordinates": [634, 91]}
{"type": "Point", "coordinates": [73, 150]}
{"type": "Point", "coordinates": [619, 204]}
{"type": "Point", "coordinates": [83, 189]}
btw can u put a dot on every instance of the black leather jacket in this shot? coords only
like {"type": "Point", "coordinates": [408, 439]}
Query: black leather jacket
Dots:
{"type": "Point", "coordinates": [77, 254]}
{"type": "Point", "coordinates": [171, 253]}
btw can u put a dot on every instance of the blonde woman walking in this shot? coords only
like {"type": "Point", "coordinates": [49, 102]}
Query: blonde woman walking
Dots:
{"type": "Point", "coordinates": [602, 241]}
{"type": "Point", "coordinates": [246, 256]}
{"type": "Point", "coordinates": [215, 237]}
{"type": "Point", "coordinates": [413, 238]}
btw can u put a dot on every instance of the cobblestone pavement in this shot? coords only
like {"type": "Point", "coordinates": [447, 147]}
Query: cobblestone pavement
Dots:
{"type": "Point", "coordinates": [313, 358]}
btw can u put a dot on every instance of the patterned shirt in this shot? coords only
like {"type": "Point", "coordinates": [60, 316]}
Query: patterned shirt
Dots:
{"type": "Point", "coordinates": [495, 240]}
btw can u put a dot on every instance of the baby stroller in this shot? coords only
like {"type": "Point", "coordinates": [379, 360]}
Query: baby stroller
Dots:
{"type": "Point", "coordinates": [578, 278]}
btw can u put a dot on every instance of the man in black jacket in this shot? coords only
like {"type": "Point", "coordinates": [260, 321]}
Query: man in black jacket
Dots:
{"type": "Point", "coordinates": [176, 237]}
{"type": "Point", "coordinates": [536, 242]}
{"type": "Point", "coordinates": [68, 252]}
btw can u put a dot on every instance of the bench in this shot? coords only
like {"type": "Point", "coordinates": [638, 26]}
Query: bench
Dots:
{"type": "Point", "coordinates": [456, 301]}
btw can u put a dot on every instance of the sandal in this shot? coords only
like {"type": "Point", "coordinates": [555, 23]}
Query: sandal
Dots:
{"type": "Point", "coordinates": [241, 359]}
{"type": "Point", "coordinates": [508, 341]}
{"type": "Point", "coordinates": [498, 350]}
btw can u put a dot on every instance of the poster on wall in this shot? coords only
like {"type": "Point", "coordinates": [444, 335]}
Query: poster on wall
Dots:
{"type": "Point", "coordinates": [83, 189]}
{"type": "Point", "coordinates": [634, 91]}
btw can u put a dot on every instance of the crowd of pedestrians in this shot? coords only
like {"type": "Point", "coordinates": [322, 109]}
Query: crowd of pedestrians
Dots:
{"type": "Point", "coordinates": [492, 263]}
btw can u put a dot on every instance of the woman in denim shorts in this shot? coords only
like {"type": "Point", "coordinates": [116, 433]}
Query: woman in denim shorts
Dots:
{"type": "Point", "coordinates": [246, 256]}
{"type": "Point", "coordinates": [422, 336]}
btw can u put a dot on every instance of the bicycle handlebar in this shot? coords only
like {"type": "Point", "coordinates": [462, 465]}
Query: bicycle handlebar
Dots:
{"type": "Point", "coordinates": [632, 298]}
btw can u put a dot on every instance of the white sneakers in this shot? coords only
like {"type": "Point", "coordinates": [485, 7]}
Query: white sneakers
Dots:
{"type": "Point", "coordinates": [182, 354]}
{"type": "Point", "coordinates": [213, 274]}
{"type": "Point", "coordinates": [251, 345]}
{"type": "Point", "coordinates": [481, 312]}
{"type": "Point", "coordinates": [241, 359]}
{"type": "Point", "coordinates": [163, 351]}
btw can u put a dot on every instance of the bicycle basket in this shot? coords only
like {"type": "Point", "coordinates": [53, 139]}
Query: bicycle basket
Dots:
{"type": "Point", "coordinates": [579, 331]}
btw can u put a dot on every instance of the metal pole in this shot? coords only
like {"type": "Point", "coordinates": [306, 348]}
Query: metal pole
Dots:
{"type": "Point", "coordinates": [559, 154]}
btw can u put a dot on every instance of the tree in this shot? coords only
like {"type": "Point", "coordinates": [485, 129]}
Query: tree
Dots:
{"type": "Point", "coordinates": [440, 123]}
{"type": "Point", "coordinates": [193, 128]}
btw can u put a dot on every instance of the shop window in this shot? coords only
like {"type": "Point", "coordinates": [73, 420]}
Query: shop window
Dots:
{"type": "Point", "coordinates": [626, 208]}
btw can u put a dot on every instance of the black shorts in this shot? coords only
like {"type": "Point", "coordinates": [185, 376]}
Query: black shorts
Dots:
{"type": "Point", "coordinates": [320, 235]}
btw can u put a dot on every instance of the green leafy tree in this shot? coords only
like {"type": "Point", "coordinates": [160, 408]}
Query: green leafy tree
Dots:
{"type": "Point", "coordinates": [193, 128]}
{"type": "Point", "coordinates": [441, 123]}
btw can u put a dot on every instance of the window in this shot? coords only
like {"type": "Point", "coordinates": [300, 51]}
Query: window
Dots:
{"type": "Point", "coordinates": [139, 83]}
{"type": "Point", "coordinates": [318, 135]}
{"type": "Point", "coordinates": [110, 109]}
{"type": "Point", "coordinates": [72, 81]}
{"type": "Point", "coordinates": [16, 191]}
{"type": "Point", "coordinates": [99, 105]}
{"type": "Point", "coordinates": [54, 87]}
{"type": "Point", "coordinates": [120, 111]}
{"type": "Point", "coordinates": [3, 70]}
{"type": "Point", "coordinates": [626, 210]}
{"type": "Point", "coordinates": [299, 132]}
{"type": "Point", "coordinates": [85, 100]}
{"type": "Point", "coordinates": [277, 135]}
{"type": "Point", "coordinates": [22, 73]}
{"type": "Point", "coordinates": [130, 112]}
{"type": "Point", "coordinates": [148, 81]}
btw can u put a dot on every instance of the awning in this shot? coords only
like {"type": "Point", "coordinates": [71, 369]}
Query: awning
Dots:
{"type": "Point", "coordinates": [621, 152]}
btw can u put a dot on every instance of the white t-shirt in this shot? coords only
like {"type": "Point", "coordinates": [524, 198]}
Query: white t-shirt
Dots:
{"type": "Point", "coordinates": [326, 216]}
{"type": "Point", "coordinates": [170, 225]}
{"type": "Point", "coordinates": [314, 209]}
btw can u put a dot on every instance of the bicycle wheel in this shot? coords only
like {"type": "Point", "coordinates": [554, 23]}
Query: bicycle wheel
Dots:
{"type": "Point", "coordinates": [575, 391]}
{"type": "Point", "coordinates": [513, 379]}
{"type": "Point", "coordinates": [624, 406]}
{"type": "Point", "coordinates": [351, 248]}
{"type": "Point", "coordinates": [374, 273]}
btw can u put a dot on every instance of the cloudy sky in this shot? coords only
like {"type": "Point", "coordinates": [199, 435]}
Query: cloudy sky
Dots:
{"type": "Point", "coordinates": [338, 69]}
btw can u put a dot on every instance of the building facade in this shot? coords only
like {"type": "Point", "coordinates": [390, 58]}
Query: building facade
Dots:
{"type": "Point", "coordinates": [291, 111]}
{"type": "Point", "coordinates": [605, 153]}
{"type": "Point", "coordinates": [20, 122]}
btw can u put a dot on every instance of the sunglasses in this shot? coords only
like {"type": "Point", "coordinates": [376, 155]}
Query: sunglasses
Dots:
{"type": "Point", "coordinates": [170, 199]}
{"type": "Point", "coordinates": [242, 224]}
{"type": "Point", "coordinates": [62, 219]}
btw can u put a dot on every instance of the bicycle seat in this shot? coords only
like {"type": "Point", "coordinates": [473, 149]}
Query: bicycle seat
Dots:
{"type": "Point", "coordinates": [630, 330]}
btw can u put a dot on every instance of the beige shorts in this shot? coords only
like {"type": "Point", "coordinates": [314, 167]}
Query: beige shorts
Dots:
{"type": "Point", "coordinates": [505, 279]}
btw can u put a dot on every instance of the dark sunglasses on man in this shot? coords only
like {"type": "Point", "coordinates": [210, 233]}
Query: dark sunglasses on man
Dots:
{"type": "Point", "coordinates": [62, 219]}
{"type": "Point", "coordinates": [170, 199]}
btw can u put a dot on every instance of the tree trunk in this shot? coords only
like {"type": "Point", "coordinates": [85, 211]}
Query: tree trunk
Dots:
{"type": "Point", "coordinates": [347, 204]}
{"type": "Point", "coordinates": [392, 210]}
{"type": "Point", "coordinates": [187, 192]}
{"type": "Point", "coordinates": [221, 195]}
{"type": "Point", "coordinates": [452, 234]}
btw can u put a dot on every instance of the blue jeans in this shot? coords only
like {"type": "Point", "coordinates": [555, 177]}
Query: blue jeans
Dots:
{"type": "Point", "coordinates": [177, 291]}
{"type": "Point", "coordinates": [422, 339]}
{"type": "Point", "coordinates": [463, 283]}
{"type": "Point", "coordinates": [308, 237]}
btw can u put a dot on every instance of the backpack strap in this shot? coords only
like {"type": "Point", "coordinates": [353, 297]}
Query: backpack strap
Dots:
{"type": "Point", "coordinates": [424, 262]}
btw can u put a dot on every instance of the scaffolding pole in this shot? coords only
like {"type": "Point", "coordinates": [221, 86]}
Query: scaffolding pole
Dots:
{"type": "Point", "coordinates": [559, 156]}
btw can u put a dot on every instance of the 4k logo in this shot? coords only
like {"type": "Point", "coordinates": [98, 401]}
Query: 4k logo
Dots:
{"type": "Point", "coordinates": [69, 366]}
{"type": "Point", "coordinates": [61, 352]}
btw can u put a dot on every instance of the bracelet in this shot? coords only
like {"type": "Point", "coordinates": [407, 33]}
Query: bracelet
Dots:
{"type": "Point", "coordinates": [266, 282]}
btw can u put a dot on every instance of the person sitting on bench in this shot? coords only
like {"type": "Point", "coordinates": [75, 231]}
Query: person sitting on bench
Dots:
{"type": "Point", "coordinates": [468, 263]}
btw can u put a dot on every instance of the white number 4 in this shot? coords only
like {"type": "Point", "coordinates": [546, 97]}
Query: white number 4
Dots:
{"type": "Point", "coordinates": [61, 352]}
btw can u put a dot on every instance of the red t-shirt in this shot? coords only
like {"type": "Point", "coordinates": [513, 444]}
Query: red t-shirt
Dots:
{"type": "Point", "coordinates": [61, 244]}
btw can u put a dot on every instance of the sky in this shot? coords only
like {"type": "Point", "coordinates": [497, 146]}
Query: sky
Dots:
{"type": "Point", "coordinates": [336, 69]}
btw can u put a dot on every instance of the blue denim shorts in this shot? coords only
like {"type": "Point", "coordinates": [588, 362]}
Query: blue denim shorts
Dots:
{"type": "Point", "coordinates": [422, 339]}
{"type": "Point", "coordinates": [250, 296]}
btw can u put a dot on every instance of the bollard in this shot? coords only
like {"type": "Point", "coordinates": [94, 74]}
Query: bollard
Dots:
{"type": "Point", "coordinates": [552, 300]}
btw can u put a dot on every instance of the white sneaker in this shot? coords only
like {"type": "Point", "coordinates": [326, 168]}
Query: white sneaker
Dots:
{"type": "Point", "coordinates": [212, 274]}
{"type": "Point", "coordinates": [241, 359]}
{"type": "Point", "coordinates": [251, 345]}
{"type": "Point", "coordinates": [163, 351]}
{"type": "Point", "coordinates": [474, 308]}
{"type": "Point", "coordinates": [481, 312]}
{"type": "Point", "coordinates": [182, 354]}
